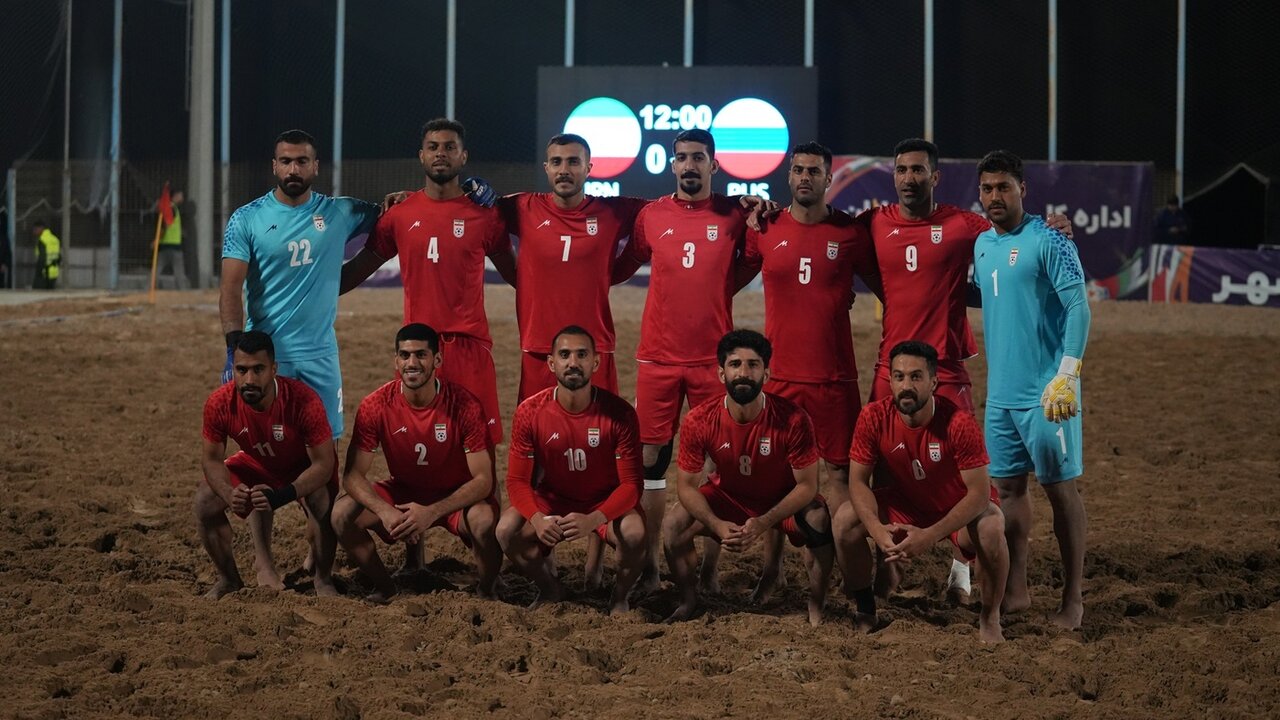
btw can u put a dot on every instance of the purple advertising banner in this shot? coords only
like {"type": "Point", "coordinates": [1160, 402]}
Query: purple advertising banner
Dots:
{"type": "Point", "coordinates": [1109, 205]}
{"type": "Point", "coordinates": [1182, 273]}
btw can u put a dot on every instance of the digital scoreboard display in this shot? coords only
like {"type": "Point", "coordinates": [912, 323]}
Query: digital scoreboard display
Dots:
{"type": "Point", "coordinates": [631, 115]}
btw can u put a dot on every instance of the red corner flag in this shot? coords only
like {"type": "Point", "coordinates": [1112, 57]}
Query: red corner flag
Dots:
{"type": "Point", "coordinates": [166, 206]}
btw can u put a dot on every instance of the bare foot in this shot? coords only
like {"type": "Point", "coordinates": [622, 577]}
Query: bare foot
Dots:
{"type": "Point", "coordinates": [763, 591]}
{"type": "Point", "coordinates": [380, 597]}
{"type": "Point", "coordinates": [649, 581]}
{"type": "Point", "coordinates": [1015, 600]}
{"type": "Point", "coordinates": [620, 607]}
{"type": "Point", "coordinates": [223, 587]}
{"type": "Point", "coordinates": [989, 630]}
{"type": "Point", "coordinates": [1068, 616]}
{"type": "Point", "coordinates": [864, 623]}
{"type": "Point", "coordinates": [887, 577]}
{"type": "Point", "coordinates": [270, 578]}
{"type": "Point", "coordinates": [682, 613]}
{"type": "Point", "coordinates": [326, 588]}
{"type": "Point", "coordinates": [815, 612]}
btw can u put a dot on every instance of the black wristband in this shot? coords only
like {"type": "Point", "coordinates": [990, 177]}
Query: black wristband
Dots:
{"type": "Point", "coordinates": [232, 338]}
{"type": "Point", "coordinates": [279, 497]}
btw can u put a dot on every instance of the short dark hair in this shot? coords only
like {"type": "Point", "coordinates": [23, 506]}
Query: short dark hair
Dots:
{"type": "Point", "coordinates": [918, 145]}
{"type": "Point", "coordinates": [570, 139]}
{"type": "Point", "coordinates": [1001, 161]}
{"type": "Point", "coordinates": [744, 338]}
{"type": "Point", "coordinates": [574, 330]}
{"type": "Point", "coordinates": [253, 342]}
{"type": "Point", "coordinates": [441, 123]}
{"type": "Point", "coordinates": [697, 135]}
{"type": "Point", "coordinates": [295, 137]}
{"type": "Point", "coordinates": [813, 148]}
{"type": "Point", "coordinates": [917, 348]}
{"type": "Point", "coordinates": [418, 331]}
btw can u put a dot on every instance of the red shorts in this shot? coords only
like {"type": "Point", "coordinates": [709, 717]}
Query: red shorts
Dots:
{"type": "Point", "coordinates": [244, 469]}
{"type": "Point", "coordinates": [468, 362]}
{"type": "Point", "coordinates": [400, 494]}
{"type": "Point", "coordinates": [558, 506]}
{"type": "Point", "coordinates": [959, 393]}
{"type": "Point", "coordinates": [833, 407]}
{"type": "Point", "coordinates": [904, 514]}
{"type": "Point", "coordinates": [660, 391]}
{"type": "Point", "coordinates": [726, 508]}
{"type": "Point", "coordinates": [535, 376]}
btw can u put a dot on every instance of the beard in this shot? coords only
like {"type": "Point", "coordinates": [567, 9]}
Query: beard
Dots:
{"type": "Point", "coordinates": [691, 185]}
{"type": "Point", "coordinates": [441, 176]}
{"type": "Point", "coordinates": [908, 403]}
{"type": "Point", "coordinates": [251, 394]}
{"type": "Point", "coordinates": [294, 186]}
{"type": "Point", "coordinates": [743, 390]}
{"type": "Point", "coordinates": [573, 380]}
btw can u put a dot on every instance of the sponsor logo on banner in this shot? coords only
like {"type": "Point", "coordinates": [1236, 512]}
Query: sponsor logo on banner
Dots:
{"type": "Point", "coordinates": [833, 249]}
{"type": "Point", "coordinates": [935, 452]}
{"type": "Point", "coordinates": [459, 227]}
{"type": "Point", "coordinates": [593, 437]}
{"type": "Point", "coordinates": [318, 221]}
{"type": "Point", "coordinates": [442, 432]}
{"type": "Point", "coordinates": [1013, 256]}
{"type": "Point", "coordinates": [593, 226]}
{"type": "Point", "coordinates": [713, 232]}
{"type": "Point", "coordinates": [277, 432]}
{"type": "Point", "coordinates": [935, 234]}
{"type": "Point", "coordinates": [764, 447]}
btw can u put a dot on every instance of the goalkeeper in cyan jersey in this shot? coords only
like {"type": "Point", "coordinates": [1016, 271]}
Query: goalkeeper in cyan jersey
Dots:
{"type": "Point", "coordinates": [1035, 319]}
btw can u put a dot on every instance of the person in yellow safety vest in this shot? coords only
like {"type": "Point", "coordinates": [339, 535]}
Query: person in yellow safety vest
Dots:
{"type": "Point", "coordinates": [171, 246]}
{"type": "Point", "coordinates": [48, 257]}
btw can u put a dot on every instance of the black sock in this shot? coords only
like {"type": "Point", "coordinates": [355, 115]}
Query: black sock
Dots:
{"type": "Point", "coordinates": [865, 599]}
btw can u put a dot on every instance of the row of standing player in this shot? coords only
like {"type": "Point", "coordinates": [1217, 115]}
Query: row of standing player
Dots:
{"type": "Point", "coordinates": [573, 247]}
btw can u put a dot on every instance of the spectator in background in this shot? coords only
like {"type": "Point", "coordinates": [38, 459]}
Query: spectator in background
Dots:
{"type": "Point", "coordinates": [1171, 224]}
{"type": "Point", "coordinates": [171, 244]}
{"type": "Point", "coordinates": [48, 257]}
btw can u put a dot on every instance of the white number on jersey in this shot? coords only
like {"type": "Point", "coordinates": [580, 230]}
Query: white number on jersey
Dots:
{"type": "Point", "coordinates": [687, 260]}
{"type": "Point", "coordinates": [995, 283]}
{"type": "Point", "coordinates": [265, 450]}
{"type": "Point", "coordinates": [912, 260]}
{"type": "Point", "coordinates": [806, 270]}
{"type": "Point", "coordinates": [568, 241]}
{"type": "Point", "coordinates": [917, 469]}
{"type": "Point", "coordinates": [744, 465]}
{"type": "Point", "coordinates": [577, 459]}
{"type": "Point", "coordinates": [421, 449]}
{"type": "Point", "coordinates": [433, 249]}
{"type": "Point", "coordinates": [300, 246]}
{"type": "Point", "coordinates": [1062, 437]}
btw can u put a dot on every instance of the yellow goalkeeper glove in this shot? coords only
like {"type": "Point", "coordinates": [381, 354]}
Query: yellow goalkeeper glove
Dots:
{"type": "Point", "coordinates": [1061, 397]}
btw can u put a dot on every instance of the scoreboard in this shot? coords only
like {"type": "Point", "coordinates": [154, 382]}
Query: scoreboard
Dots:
{"type": "Point", "coordinates": [630, 116]}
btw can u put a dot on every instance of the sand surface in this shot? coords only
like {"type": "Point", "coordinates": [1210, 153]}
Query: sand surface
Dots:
{"type": "Point", "coordinates": [101, 573]}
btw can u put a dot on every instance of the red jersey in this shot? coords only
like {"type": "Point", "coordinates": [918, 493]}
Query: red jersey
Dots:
{"type": "Point", "coordinates": [567, 261]}
{"type": "Point", "coordinates": [808, 290]}
{"type": "Point", "coordinates": [924, 265]}
{"type": "Point", "coordinates": [692, 248]}
{"type": "Point", "coordinates": [424, 447]}
{"type": "Point", "coordinates": [277, 437]}
{"type": "Point", "coordinates": [925, 462]}
{"type": "Point", "coordinates": [754, 460]}
{"type": "Point", "coordinates": [442, 245]}
{"type": "Point", "coordinates": [588, 460]}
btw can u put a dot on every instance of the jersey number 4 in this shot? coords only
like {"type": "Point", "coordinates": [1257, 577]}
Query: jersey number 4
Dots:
{"type": "Point", "coordinates": [300, 247]}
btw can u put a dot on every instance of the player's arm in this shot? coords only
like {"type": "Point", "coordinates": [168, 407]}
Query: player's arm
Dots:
{"type": "Point", "coordinates": [747, 265]}
{"type": "Point", "coordinates": [469, 493]}
{"type": "Point", "coordinates": [864, 503]}
{"type": "Point", "coordinates": [918, 540]}
{"type": "Point", "coordinates": [355, 481]}
{"type": "Point", "coordinates": [1061, 397]}
{"type": "Point", "coordinates": [212, 455]}
{"type": "Point", "coordinates": [687, 484]}
{"type": "Point", "coordinates": [231, 294]}
{"type": "Point", "coordinates": [358, 269]}
{"type": "Point", "coordinates": [805, 490]}
{"type": "Point", "coordinates": [308, 481]}
{"type": "Point", "coordinates": [865, 264]}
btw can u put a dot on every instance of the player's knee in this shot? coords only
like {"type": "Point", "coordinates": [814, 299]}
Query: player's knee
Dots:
{"type": "Point", "coordinates": [631, 529]}
{"type": "Point", "coordinates": [509, 527]}
{"type": "Point", "coordinates": [656, 459]}
{"type": "Point", "coordinates": [845, 520]}
{"type": "Point", "coordinates": [207, 506]}
{"type": "Point", "coordinates": [1010, 487]}
{"type": "Point", "coordinates": [675, 526]}
{"type": "Point", "coordinates": [481, 519]}
{"type": "Point", "coordinates": [815, 522]}
{"type": "Point", "coordinates": [343, 515]}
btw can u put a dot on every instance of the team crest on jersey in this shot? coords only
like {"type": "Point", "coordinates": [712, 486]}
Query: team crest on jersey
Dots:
{"type": "Point", "coordinates": [593, 437]}
{"type": "Point", "coordinates": [593, 226]}
{"type": "Point", "coordinates": [833, 249]}
{"type": "Point", "coordinates": [764, 447]}
{"type": "Point", "coordinates": [277, 432]}
{"type": "Point", "coordinates": [935, 234]}
{"type": "Point", "coordinates": [459, 227]}
{"type": "Point", "coordinates": [1013, 256]}
{"type": "Point", "coordinates": [318, 221]}
{"type": "Point", "coordinates": [442, 432]}
{"type": "Point", "coordinates": [713, 232]}
{"type": "Point", "coordinates": [935, 452]}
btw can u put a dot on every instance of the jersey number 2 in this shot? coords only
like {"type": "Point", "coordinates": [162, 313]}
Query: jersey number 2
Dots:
{"type": "Point", "coordinates": [302, 246]}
